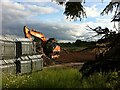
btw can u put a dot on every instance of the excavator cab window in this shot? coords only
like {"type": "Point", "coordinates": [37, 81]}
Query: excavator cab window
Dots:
{"type": "Point", "coordinates": [51, 44]}
{"type": "Point", "coordinates": [38, 45]}
{"type": "Point", "coordinates": [39, 48]}
{"type": "Point", "coordinates": [35, 39]}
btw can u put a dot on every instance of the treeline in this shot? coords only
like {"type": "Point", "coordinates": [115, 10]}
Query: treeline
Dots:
{"type": "Point", "coordinates": [78, 43]}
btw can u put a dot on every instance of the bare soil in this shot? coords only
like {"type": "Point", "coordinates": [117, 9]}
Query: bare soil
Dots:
{"type": "Point", "coordinates": [76, 56]}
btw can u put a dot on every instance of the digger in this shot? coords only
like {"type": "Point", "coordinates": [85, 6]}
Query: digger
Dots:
{"type": "Point", "coordinates": [49, 48]}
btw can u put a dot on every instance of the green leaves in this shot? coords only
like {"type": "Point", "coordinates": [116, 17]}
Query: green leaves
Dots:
{"type": "Point", "coordinates": [74, 10]}
{"type": "Point", "coordinates": [110, 7]}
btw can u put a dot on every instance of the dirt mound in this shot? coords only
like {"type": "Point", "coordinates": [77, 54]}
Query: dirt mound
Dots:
{"type": "Point", "coordinates": [76, 56]}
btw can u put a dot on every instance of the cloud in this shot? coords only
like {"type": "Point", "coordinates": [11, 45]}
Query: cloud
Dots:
{"type": "Point", "coordinates": [37, 1]}
{"type": "Point", "coordinates": [92, 11]}
{"type": "Point", "coordinates": [16, 15]}
{"type": "Point", "coordinates": [41, 10]}
{"type": "Point", "coordinates": [28, 0]}
{"type": "Point", "coordinates": [80, 31]}
{"type": "Point", "coordinates": [17, 10]}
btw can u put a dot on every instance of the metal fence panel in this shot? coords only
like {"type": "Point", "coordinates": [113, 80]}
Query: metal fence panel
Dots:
{"type": "Point", "coordinates": [29, 61]}
{"type": "Point", "coordinates": [8, 66]}
{"type": "Point", "coordinates": [28, 48]}
{"type": "Point", "coordinates": [7, 50]}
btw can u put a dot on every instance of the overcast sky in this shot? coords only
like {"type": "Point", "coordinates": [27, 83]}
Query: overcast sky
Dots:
{"type": "Point", "coordinates": [47, 17]}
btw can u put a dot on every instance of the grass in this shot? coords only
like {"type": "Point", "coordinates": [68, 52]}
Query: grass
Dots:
{"type": "Point", "coordinates": [60, 78]}
{"type": "Point", "coordinates": [75, 48]}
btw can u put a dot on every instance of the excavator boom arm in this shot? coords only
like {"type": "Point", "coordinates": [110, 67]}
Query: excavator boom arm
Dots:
{"type": "Point", "coordinates": [29, 33]}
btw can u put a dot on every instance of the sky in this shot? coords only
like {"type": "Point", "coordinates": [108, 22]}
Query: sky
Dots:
{"type": "Point", "coordinates": [47, 17]}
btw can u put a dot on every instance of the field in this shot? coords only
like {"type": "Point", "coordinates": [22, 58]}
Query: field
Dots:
{"type": "Point", "coordinates": [60, 78]}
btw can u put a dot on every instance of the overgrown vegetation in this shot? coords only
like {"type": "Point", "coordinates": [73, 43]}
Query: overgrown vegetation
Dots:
{"type": "Point", "coordinates": [78, 45]}
{"type": "Point", "coordinates": [108, 59]}
{"type": "Point", "coordinates": [62, 78]}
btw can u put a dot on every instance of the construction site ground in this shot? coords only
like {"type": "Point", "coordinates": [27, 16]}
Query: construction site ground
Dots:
{"type": "Point", "coordinates": [76, 56]}
{"type": "Point", "coordinates": [73, 58]}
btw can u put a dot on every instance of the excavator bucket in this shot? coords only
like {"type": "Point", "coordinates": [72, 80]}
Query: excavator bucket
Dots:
{"type": "Point", "coordinates": [26, 33]}
{"type": "Point", "coordinates": [57, 49]}
{"type": "Point", "coordinates": [56, 52]}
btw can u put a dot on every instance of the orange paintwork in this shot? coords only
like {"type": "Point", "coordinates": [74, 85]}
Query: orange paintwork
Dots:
{"type": "Point", "coordinates": [26, 32]}
{"type": "Point", "coordinates": [57, 49]}
{"type": "Point", "coordinates": [56, 55]}
{"type": "Point", "coordinates": [38, 35]}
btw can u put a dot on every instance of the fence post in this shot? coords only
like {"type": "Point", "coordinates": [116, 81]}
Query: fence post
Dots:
{"type": "Point", "coordinates": [18, 55]}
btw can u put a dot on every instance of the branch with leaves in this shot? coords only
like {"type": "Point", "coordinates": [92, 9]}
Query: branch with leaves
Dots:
{"type": "Point", "coordinates": [110, 6]}
{"type": "Point", "coordinates": [75, 10]}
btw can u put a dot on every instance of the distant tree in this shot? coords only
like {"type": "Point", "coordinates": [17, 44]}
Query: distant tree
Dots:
{"type": "Point", "coordinates": [77, 42]}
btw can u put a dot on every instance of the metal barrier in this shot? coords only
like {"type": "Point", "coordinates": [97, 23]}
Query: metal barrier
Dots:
{"type": "Point", "coordinates": [7, 50]}
{"type": "Point", "coordinates": [19, 56]}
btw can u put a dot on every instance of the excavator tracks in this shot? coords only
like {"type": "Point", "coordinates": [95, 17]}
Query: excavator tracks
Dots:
{"type": "Point", "coordinates": [48, 61]}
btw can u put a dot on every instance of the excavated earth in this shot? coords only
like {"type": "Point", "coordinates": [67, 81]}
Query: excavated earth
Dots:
{"type": "Point", "coordinates": [76, 56]}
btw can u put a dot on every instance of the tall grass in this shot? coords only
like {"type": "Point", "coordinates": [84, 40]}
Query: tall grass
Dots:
{"type": "Point", "coordinates": [60, 78]}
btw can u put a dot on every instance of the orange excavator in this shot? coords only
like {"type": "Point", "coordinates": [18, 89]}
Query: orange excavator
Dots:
{"type": "Point", "coordinates": [49, 47]}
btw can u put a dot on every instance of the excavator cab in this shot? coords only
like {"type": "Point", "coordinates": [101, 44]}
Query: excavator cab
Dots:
{"type": "Point", "coordinates": [53, 48]}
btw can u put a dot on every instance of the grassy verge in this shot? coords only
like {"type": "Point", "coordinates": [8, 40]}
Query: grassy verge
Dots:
{"type": "Point", "coordinates": [60, 78]}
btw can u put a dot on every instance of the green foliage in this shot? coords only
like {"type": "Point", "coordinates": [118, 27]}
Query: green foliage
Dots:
{"type": "Point", "coordinates": [101, 65]}
{"type": "Point", "coordinates": [61, 78]}
{"type": "Point", "coordinates": [114, 79]}
{"type": "Point", "coordinates": [78, 45]}
{"type": "Point", "coordinates": [14, 81]}
{"type": "Point", "coordinates": [110, 7]}
{"type": "Point", "coordinates": [48, 78]}
{"type": "Point", "coordinates": [73, 9]}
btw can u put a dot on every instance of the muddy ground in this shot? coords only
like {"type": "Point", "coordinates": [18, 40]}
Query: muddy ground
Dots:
{"type": "Point", "coordinates": [76, 56]}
